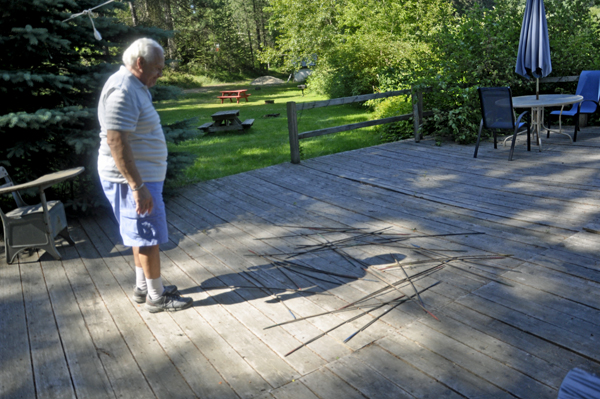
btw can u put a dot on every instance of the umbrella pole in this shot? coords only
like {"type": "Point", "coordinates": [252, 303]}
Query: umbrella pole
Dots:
{"type": "Point", "coordinates": [537, 88]}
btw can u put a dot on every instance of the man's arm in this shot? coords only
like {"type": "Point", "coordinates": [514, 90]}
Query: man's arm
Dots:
{"type": "Point", "coordinates": [123, 156]}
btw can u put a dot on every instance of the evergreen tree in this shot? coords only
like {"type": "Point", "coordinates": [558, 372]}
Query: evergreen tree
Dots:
{"type": "Point", "coordinates": [52, 73]}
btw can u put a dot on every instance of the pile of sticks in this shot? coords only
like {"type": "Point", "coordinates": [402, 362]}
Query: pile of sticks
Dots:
{"type": "Point", "coordinates": [290, 265]}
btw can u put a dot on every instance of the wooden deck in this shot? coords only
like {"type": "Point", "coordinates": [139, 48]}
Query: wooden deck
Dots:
{"type": "Point", "coordinates": [69, 328]}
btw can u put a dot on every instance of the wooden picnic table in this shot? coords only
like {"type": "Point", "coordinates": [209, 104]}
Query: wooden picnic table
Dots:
{"type": "Point", "coordinates": [231, 94]}
{"type": "Point", "coordinates": [226, 120]}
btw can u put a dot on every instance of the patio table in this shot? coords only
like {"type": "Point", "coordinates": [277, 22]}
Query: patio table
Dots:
{"type": "Point", "coordinates": [537, 110]}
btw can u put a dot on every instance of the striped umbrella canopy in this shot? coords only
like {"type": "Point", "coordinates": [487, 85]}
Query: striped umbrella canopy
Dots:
{"type": "Point", "coordinates": [533, 57]}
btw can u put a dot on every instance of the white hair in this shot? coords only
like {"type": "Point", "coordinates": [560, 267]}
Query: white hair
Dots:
{"type": "Point", "coordinates": [146, 48]}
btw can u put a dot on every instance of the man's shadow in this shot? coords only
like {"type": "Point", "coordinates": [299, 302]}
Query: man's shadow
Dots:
{"type": "Point", "coordinates": [280, 282]}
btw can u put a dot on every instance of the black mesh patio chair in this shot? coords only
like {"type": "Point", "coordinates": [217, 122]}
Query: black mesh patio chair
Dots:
{"type": "Point", "coordinates": [497, 114]}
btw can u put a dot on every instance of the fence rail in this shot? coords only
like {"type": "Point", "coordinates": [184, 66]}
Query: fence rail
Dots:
{"type": "Point", "coordinates": [293, 108]}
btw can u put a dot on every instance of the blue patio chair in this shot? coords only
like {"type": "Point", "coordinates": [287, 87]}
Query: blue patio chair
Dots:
{"type": "Point", "coordinates": [589, 88]}
{"type": "Point", "coordinates": [497, 114]}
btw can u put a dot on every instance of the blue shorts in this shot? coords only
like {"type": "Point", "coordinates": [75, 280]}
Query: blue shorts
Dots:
{"type": "Point", "coordinates": [138, 230]}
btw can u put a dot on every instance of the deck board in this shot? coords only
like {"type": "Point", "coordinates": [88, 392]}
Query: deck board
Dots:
{"type": "Point", "coordinates": [510, 327]}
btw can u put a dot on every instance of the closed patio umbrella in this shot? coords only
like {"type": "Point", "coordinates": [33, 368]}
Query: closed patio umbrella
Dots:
{"type": "Point", "coordinates": [533, 57]}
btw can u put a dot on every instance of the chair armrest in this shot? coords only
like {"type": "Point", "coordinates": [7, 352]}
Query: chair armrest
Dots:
{"type": "Point", "coordinates": [521, 117]}
{"type": "Point", "coordinates": [45, 181]}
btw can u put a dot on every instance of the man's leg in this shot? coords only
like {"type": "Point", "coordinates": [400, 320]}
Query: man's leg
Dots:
{"type": "Point", "coordinates": [159, 298]}
{"type": "Point", "coordinates": [149, 260]}
{"type": "Point", "coordinates": [140, 276]}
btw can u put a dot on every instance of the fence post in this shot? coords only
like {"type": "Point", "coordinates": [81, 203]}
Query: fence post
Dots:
{"type": "Point", "coordinates": [293, 131]}
{"type": "Point", "coordinates": [416, 114]}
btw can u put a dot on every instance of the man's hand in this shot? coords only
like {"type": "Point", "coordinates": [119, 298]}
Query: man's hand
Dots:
{"type": "Point", "coordinates": [143, 201]}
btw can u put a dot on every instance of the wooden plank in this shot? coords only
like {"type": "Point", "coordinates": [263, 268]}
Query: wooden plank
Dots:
{"type": "Point", "coordinates": [110, 346]}
{"type": "Point", "coordinates": [453, 171]}
{"type": "Point", "coordinates": [195, 330]}
{"type": "Point", "coordinates": [16, 373]}
{"type": "Point", "coordinates": [293, 132]}
{"type": "Point", "coordinates": [165, 380]}
{"type": "Point", "coordinates": [426, 222]}
{"type": "Point", "coordinates": [559, 360]}
{"type": "Point", "coordinates": [469, 204]}
{"type": "Point", "coordinates": [349, 100]}
{"type": "Point", "coordinates": [444, 371]}
{"type": "Point", "coordinates": [479, 341]}
{"type": "Point", "coordinates": [416, 117]}
{"type": "Point", "coordinates": [569, 292]}
{"type": "Point", "coordinates": [50, 369]}
{"type": "Point", "coordinates": [556, 174]}
{"type": "Point", "coordinates": [411, 380]}
{"type": "Point", "coordinates": [544, 307]}
{"type": "Point", "coordinates": [86, 370]}
{"type": "Point", "coordinates": [445, 184]}
{"type": "Point", "coordinates": [352, 126]}
{"type": "Point", "coordinates": [470, 357]}
{"type": "Point", "coordinates": [532, 325]}
{"type": "Point", "coordinates": [328, 350]}
{"type": "Point", "coordinates": [271, 197]}
{"type": "Point", "coordinates": [330, 386]}
{"type": "Point", "coordinates": [293, 390]}
{"type": "Point", "coordinates": [363, 377]}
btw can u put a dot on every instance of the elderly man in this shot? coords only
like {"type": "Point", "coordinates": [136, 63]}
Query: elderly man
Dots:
{"type": "Point", "coordinates": [132, 165]}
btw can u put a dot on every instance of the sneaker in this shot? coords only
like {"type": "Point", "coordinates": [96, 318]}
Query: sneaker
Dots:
{"type": "Point", "coordinates": [140, 296]}
{"type": "Point", "coordinates": [168, 302]}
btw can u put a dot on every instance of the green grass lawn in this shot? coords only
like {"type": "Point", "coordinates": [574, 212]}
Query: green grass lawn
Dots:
{"type": "Point", "coordinates": [266, 143]}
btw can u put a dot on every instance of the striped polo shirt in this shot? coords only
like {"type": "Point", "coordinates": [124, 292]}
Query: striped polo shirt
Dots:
{"type": "Point", "coordinates": [126, 105]}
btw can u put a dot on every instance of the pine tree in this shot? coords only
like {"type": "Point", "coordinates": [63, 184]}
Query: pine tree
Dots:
{"type": "Point", "coordinates": [52, 73]}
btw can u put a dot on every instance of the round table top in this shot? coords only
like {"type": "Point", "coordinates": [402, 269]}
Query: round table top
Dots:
{"type": "Point", "coordinates": [546, 100]}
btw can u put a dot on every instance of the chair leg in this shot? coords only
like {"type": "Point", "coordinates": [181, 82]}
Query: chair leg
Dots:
{"type": "Point", "coordinates": [576, 127]}
{"type": "Point", "coordinates": [65, 234]}
{"type": "Point", "coordinates": [512, 146]}
{"type": "Point", "coordinates": [495, 139]}
{"type": "Point", "coordinates": [478, 138]}
{"type": "Point", "coordinates": [528, 138]}
{"type": "Point", "coordinates": [50, 248]}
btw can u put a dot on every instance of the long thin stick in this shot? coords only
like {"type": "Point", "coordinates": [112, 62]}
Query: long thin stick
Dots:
{"type": "Point", "coordinates": [275, 296]}
{"type": "Point", "coordinates": [355, 318]}
{"type": "Point", "coordinates": [354, 305]}
{"type": "Point", "coordinates": [468, 271]}
{"type": "Point", "coordinates": [365, 267]}
{"type": "Point", "coordinates": [339, 325]}
{"type": "Point", "coordinates": [394, 265]}
{"type": "Point", "coordinates": [363, 328]}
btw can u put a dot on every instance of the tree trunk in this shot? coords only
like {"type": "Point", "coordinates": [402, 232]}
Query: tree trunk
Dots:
{"type": "Point", "coordinates": [256, 19]}
{"type": "Point", "coordinates": [171, 47]}
{"type": "Point", "coordinates": [146, 9]}
{"type": "Point", "coordinates": [251, 52]}
{"type": "Point", "coordinates": [133, 13]}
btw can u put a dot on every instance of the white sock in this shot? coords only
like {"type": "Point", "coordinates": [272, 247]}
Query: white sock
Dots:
{"type": "Point", "coordinates": [140, 279]}
{"type": "Point", "coordinates": [155, 287]}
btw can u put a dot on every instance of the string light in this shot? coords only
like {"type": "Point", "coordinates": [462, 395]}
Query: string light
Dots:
{"type": "Point", "coordinates": [89, 13]}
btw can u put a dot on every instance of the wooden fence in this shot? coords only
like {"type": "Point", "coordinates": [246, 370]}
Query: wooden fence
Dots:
{"type": "Point", "coordinates": [417, 114]}
{"type": "Point", "coordinates": [292, 109]}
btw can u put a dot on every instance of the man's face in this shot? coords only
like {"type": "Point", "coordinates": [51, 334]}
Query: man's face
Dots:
{"type": "Point", "coordinates": [149, 72]}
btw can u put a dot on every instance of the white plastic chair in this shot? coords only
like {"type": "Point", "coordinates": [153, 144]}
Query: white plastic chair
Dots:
{"type": "Point", "coordinates": [34, 226]}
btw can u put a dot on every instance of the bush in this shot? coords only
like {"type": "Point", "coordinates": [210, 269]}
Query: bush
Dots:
{"type": "Point", "coordinates": [393, 106]}
{"type": "Point", "coordinates": [479, 49]}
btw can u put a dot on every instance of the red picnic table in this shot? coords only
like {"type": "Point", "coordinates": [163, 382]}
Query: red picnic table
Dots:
{"type": "Point", "coordinates": [231, 94]}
